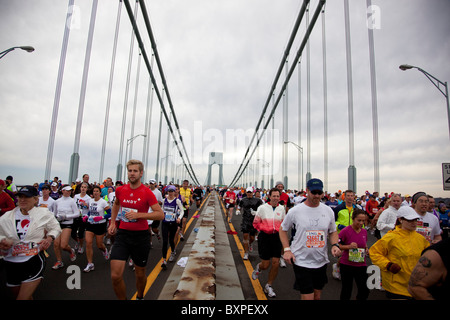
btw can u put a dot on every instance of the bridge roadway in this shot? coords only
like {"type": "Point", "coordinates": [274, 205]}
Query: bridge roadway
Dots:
{"type": "Point", "coordinates": [231, 279]}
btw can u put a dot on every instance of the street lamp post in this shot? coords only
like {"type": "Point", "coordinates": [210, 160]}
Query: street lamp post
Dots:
{"type": "Point", "coordinates": [300, 149]}
{"type": "Point", "coordinates": [26, 48]}
{"type": "Point", "coordinates": [126, 153]}
{"type": "Point", "coordinates": [436, 83]}
{"type": "Point", "coordinates": [265, 164]}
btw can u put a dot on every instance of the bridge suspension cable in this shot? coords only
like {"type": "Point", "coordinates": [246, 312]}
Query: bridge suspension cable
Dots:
{"type": "Point", "coordinates": [303, 9]}
{"type": "Point", "coordinates": [185, 157]}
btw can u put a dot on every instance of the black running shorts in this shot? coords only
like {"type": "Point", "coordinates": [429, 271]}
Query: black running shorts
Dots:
{"type": "Point", "coordinates": [28, 271]}
{"type": "Point", "coordinates": [131, 244]}
{"type": "Point", "coordinates": [269, 245]}
{"type": "Point", "coordinates": [309, 279]}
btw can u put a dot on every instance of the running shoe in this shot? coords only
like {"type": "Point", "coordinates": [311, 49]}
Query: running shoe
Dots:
{"type": "Point", "coordinates": [245, 256]}
{"type": "Point", "coordinates": [80, 250]}
{"type": "Point", "coordinates": [58, 265]}
{"type": "Point", "coordinates": [172, 256]}
{"type": "Point", "coordinates": [106, 254]}
{"type": "Point", "coordinates": [269, 290]}
{"type": "Point", "coordinates": [255, 272]}
{"type": "Point", "coordinates": [73, 255]}
{"type": "Point", "coordinates": [89, 267]}
{"type": "Point", "coordinates": [164, 265]}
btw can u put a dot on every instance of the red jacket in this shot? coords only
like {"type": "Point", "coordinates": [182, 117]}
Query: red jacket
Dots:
{"type": "Point", "coordinates": [6, 203]}
{"type": "Point", "coordinates": [372, 207]}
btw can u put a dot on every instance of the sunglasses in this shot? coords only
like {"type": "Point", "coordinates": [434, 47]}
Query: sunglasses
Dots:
{"type": "Point", "coordinates": [316, 192]}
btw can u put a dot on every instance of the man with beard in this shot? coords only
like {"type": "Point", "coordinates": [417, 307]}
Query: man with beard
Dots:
{"type": "Point", "coordinates": [132, 236]}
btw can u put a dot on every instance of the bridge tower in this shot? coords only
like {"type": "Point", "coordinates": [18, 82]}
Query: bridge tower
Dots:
{"type": "Point", "coordinates": [215, 158]}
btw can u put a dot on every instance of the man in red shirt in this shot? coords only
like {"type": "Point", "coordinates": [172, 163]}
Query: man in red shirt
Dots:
{"type": "Point", "coordinates": [230, 202]}
{"type": "Point", "coordinates": [371, 209]}
{"type": "Point", "coordinates": [6, 202]}
{"type": "Point", "coordinates": [284, 197]}
{"type": "Point", "coordinates": [132, 236]}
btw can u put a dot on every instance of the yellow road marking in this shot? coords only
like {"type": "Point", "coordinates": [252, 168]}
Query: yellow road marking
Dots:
{"type": "Point", "coordinates": [157, 269]}
{"type": "Point", "coordinates": [248, 266]}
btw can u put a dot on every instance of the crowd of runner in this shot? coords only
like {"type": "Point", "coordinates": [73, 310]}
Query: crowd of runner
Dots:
{"type": "Point", "coordinates": [300, 227]}
{"type": "Point", "coordinates": [290, 226]}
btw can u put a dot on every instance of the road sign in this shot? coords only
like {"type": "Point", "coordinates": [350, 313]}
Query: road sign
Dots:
{"type": "Point", "coordinates": [446, 175]}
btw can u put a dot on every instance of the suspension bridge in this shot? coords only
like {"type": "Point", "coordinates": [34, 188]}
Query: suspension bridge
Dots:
{"type": "Point", "coordinates": [267, 149]}
{"type": "Point", "coordinates": [173, 150]}
{"type": "Point", "coordinates": [286, 129]}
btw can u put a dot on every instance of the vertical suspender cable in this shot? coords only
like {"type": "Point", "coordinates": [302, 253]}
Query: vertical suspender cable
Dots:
{"type": "Point", "coordinates": [291, 70]}
{"type": "Point", "coordinates": [108, 100]}
{"type": "Point", "coordinates": [125, 104]}
{"type": "Point", "coordinates": [133, 119]}
{"type": "Point", "coordinates": [62, 61]}
{"type": "Point", "coordinates": [158, 152]}
{"type": "Point", "coordinates": [148, 123]}
{"type": "Point", "coordinates": [373, 82]}
{"type": "Point", "coordinates": [325, 103]}
{"type": "Point", "coordinates": [274, 83]}
{"type": "Point", "coordinates": [169, 99]}
{"type": "Point", "coordinates": [299, 132]}
{"type": "Point", "coordinates": [74, 161]}
{"type": "Point", "coordinates": [352, 168]}
{"type": "Point", "coordinates": [308, 104]}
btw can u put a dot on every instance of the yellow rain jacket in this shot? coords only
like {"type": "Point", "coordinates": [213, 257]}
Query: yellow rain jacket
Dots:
{"type": "Point", "coordinates": [402, 247]}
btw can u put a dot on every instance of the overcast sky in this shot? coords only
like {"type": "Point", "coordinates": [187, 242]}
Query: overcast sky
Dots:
{"type": "Point", "coordinates": [220, 59]}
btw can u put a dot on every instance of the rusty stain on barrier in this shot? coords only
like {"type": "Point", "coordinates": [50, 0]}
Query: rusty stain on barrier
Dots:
{"type": "Point", "coordinates": [198, 279]}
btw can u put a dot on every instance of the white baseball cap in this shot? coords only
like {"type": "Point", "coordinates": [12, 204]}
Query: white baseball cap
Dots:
{"type": "Point", "coordinates": [407, 213]}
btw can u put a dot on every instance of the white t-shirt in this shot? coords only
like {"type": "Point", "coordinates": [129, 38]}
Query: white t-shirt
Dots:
{"type": "Point", "coordinates": [428, 226]}
{"type": "Point", "coordinates": [82, 203]}
{"type": "Point", "coordinates": [160, 199]}
{"type": "Point", "coordinates": [49, 203]}
{"type": "Point", "coordinates": [298, 200]}
{"type": "Point", "coordinates": [97, 209]}
{"type": "Point", "coordinates": [312, 225]}
{"type": "Point", "coordinates": [111, 198]}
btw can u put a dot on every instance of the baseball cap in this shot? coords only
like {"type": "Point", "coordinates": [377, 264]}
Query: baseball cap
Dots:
{"type": "Point", "coordinates": [279, 182]}
{"type": "Point", "coordinates": [28, 191]}
{"type": "Point", "coordinates": [249, 189]}
{"type": "Point", "coordinates": [152, 181]}
{"type": "Point", "coordinates": [314, 184]}
{"type": "Point", "coordinates": [407, 213]}
{"type": "Point", "coordinates": [67, 188]}
{"type": "Point", "coordinates": [171, 188]}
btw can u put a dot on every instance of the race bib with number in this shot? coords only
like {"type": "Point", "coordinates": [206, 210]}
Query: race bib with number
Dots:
{"type": "Point", "coordinates": [356, 255]}
{"type": "Point", "coordinates": [123, 212]}
{"type": "Point", "coordinates": [24, 249]}
{"type": "Point", "coordinates": [315, 239]}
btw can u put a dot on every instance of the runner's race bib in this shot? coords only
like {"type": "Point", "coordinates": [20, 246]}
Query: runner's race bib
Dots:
{"type": "Point", "coordinates": [356, 255]}
{"type": "Point", "coordinates": [315, 239]}
{"type": "Point", "coordinates": [123, 212]}
{"type": "Point", "coordinates": [25, 249]}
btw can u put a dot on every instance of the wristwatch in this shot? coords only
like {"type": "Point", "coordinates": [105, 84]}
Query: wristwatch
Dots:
{"type": "Point", "coordinates": [336, 245]}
